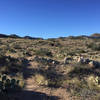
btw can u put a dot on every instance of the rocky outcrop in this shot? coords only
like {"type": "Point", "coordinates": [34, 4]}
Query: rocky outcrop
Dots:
{"type": "Point", "coordinates": [46, 61]}
{"type": "Point", "coordinates": [80, 60]}
{"type": "Point", "coordinates": [94, 64]}
{"type": "Point", "coordinates": [91, 63]}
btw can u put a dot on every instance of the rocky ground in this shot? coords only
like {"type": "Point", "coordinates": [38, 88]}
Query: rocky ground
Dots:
{"type": "Point", "coordinates": [53, 69]}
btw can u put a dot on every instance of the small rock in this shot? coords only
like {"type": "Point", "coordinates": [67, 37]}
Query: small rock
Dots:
{"type": "Point", "coordinates": [81, 60]}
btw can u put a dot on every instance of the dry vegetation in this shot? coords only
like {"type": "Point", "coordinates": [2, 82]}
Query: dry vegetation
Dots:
{"type": "Point", "coordinates": [42, 72]}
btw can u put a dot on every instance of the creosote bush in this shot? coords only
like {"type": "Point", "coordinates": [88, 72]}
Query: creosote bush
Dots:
{"type": "Point", "coordinates": [49, 78]}
{"type": "Point", "coordinates": [43, 52]}
{"type": "Point", "coordinates": [94, 46]}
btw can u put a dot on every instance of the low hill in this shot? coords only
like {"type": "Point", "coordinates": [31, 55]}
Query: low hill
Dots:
{"type": "Point", "coordinates": [64, 68]}
{"type": "Point", "coordinates": [96, 35]}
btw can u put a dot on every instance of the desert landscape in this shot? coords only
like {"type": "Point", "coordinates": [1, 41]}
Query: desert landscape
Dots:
{"type": "Point", "coordinates": [64, 68]}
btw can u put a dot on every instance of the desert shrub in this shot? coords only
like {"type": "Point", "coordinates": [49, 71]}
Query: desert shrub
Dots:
{"type": "Point", "coordinates": [71, 53]}
{"type": "Point", "coordinates": [11, 51]}
{"type": "Point", "coordinates": [43, 52]}
{"type": "Point", "coordinates": [93, 82]}
{"type": "Point", "coordinates": [81, 51]}
{"type": "Point", "coordinates": [94, 46]}
{"type": "Point", "coordinates": [54, 78]}
{"type": "Point", "coordinates": [54, 82]}
{"type": "Point", "coordinates": [40, 79]}
{"type": "Point", "coordinates": [41, 42]}
{"type": "Point", "coordinates": [10, 65]}
{"type": "Point", "coordinates": [49, 78]}
{"type": "Point", "coordinates": [17, 46]}
{"type": "Point", "coordinates": [26, 53]}
{"type": "Point", "coordinates": [83, 82]}
{"type": "Point", "coordinates": [81, 71]}
{"type": "Point", "coordinates": [82, 90]}
{"type": "Point", "coordinates": [56, 44]}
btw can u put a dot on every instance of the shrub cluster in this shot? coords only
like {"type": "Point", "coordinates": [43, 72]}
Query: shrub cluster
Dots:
{"type": "Point", "coordinates": [94, 46]}
{"type": "Point", "coordinates": [43, 52]}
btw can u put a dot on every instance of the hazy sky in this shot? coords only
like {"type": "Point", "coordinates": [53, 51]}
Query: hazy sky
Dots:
{"type": "Point", "coordinates": [49, 18]}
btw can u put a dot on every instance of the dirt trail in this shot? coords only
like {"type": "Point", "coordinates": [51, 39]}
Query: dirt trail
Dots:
{"type": "Point", "coordinates": [34, 92]}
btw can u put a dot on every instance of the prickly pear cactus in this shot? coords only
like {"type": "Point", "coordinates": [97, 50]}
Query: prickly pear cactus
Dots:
{"type": "Point", "coordinates": [8, 85]}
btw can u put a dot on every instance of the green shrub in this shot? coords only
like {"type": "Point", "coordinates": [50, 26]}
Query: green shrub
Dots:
{"type": "Point", "coordinates": [10, 65]}
{"type": "Point", "coordinates": [71, 53]}
{"type": "Point", "coordinates": [81, 51]}
{"type": "Point", "coordinates": [82, 90]}
{"type": "Point", "coordinates": [43, 52]}
{"type": "Point", "coordinates": [94, 46]}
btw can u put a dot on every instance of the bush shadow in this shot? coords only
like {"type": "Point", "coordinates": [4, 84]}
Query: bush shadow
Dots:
{"type": "Point", "coordinates": [31, 95]}
{"type": "Point", "coordinates": [81, 72]}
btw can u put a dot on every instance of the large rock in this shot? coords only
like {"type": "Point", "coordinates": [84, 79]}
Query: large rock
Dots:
{"type": "Point", "coordinates": [80, 60]}
{"type": "Point", "coordinates": [91, 64]}
{"type": "Point", "coordinates": [94, 64]}
{"type": "Point", "coordinates": [86, 61]}
{"type": "Point", "coordinates": [83, 61]}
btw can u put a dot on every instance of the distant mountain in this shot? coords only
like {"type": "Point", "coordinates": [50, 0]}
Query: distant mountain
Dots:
{"type": "Point", "coordinates": [10, 36]}
{"type": "Point", "coordinates": [14, 36]}
{"type": "Point", "coordinates": [96, 35]}
{"type": "Point", "coordinates": [93, 36]}
{"type": "Point", "coordinates": [29, 37]}
{"type": "Point", "coordinates": [3, 36]}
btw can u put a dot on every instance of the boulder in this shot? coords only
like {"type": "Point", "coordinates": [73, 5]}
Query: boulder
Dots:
{"type": "Point", "coordinates": [94, 64]}
{"type": "Point", "coordinates": [83, 61]}
{"type": "Point", "coordinates": [80, 60]}
{"type": "Point", "coordinates": [86, 61]}
{"type": "Point", "coordinates": [91, 64]}
{"type": "Point", "coordinates": [55, 62]}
